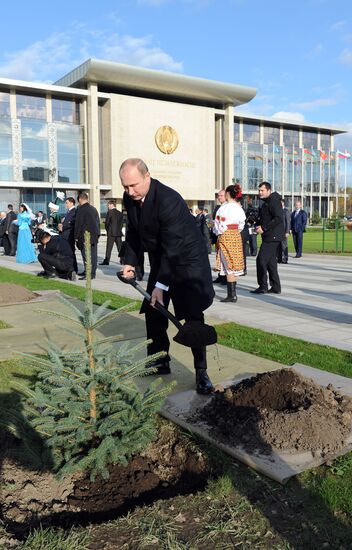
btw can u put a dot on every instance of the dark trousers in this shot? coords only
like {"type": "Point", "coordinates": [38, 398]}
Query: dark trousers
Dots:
{"type": "Point", "coordinates": [51, 263]}
{"type": "Point", "coordinates": [267, 263]}
{"type": "Point", "coordinates": [94, 258]}
{"type": "Point", "coordinates": [157, 324]}
{"type": "Point", "coordinates": [298, 241]}
{"type": "Point", "coordinates": [282, 253]}
{"type": "Point", "coordinates": [10, 244]}
{"type": "Point", "coordinates": [110, 244]}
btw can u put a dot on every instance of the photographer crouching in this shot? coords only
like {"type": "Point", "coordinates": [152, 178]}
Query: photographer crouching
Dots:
{"type": "Point", "coordinates": [271, 228]}
{"type": "Point", "coordinates": [56, 257]}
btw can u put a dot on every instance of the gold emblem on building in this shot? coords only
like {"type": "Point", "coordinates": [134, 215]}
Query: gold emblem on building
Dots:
{"type": "Point", "coordinates": [166, 139]}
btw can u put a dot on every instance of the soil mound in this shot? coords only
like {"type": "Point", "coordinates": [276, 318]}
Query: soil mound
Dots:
{"type": "Point", "coordinates": [11, 294]}
{"type": "Point", "coordinates": [280, 410]}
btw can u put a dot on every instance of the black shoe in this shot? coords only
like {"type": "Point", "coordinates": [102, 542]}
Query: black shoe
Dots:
{"type": "Point", "coordinates": [163, 367]}
{"type": "Point", "coordinates": [272, 291]}
{"type": "Point", "coordinates": [203, 382]}
{"type": "Point", "coordinates": [83, 274]}
{"type": "Point", "coordinates": [105, 262]}
{"type": "Point", "coordinates": [258, 291]}
{"type": "Point", "coordinates": [231, 293]}
{"type": "Point", "coordinates": [220, 280]}
{"type": "Point", "coordinates": [50, 276]}
{"type": "Point", "coordinates": [84, 278]}
{"type": "Point", "coordinates": [298, 256]}
{"type": "Point", "coordinates": [41, 274]}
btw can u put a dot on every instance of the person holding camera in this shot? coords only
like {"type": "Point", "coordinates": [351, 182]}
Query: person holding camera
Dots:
{"type": "Point", "coordinates": [228, 224]}
{"type": "Point", "coordinates": [56, 257]}
{"type": "Point", "coordinates": [271, 228]}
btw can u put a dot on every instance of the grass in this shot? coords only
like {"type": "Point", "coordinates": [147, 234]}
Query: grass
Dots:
{"type": "Point", "coordinates": [313, 241]}
{"type": "Point", "coordinates": [32, 282]}
{"type": "Point", "coordinates": [55, 539]}
{"type": "Point", "coordinates": [4, 325]}
{"type": "Point", "coordinates": [284, 349]}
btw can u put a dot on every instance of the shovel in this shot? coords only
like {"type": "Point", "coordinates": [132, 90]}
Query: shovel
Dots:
{"type": "Point", "coordinates": [192, 334]}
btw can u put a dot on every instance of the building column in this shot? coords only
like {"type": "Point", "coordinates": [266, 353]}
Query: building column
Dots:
{"type": "Point", "coordinates": [93, 146]}
{"type": "Point", "coordinates": [219, 161]}
{"type": "Point", "coordinates": [228, 146]}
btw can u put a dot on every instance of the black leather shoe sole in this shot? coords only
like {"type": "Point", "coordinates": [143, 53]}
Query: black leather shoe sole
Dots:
{"type": "Point", "coordinates": [272, 291]}
{"type": "Point", "coordinates": [258, 291]}
{"type": "Point", "coordinates": [204, 390]}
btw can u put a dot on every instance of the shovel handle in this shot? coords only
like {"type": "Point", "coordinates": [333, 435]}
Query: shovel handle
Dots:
{"type": "Point", "coordinates": [162, 309]}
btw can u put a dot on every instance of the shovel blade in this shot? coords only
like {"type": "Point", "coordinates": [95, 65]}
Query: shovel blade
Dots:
{"type": "Point", "coordinates": [195, 334]}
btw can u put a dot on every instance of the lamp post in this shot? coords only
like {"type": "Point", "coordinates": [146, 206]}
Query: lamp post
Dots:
{"type": "Point", "coordinates": [52, 174]}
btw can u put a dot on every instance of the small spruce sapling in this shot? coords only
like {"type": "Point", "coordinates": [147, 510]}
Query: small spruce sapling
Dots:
{"type": "Point", "coordinates": [85, 403]}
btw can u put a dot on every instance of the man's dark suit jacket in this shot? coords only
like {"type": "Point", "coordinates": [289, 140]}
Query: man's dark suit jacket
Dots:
{"type": "Point", "coordinates": [68, 226]}
{"type": "Point", "coordinates": [87, 219]}
{"type": "Point", "coordinates": [271, 218]}
{"type": "Point", "coordinates": [59, 247]}
{"type": "Point", "coordinates": [113, 223]}
{"type": "Point", "coordinates": [11, 227]}
{"type": "Point", "coordinates": [2, 227]}
{"type": "Point", "coordinates": [165, 228]}
{"type": "Point", "coordinates": [299, 222]}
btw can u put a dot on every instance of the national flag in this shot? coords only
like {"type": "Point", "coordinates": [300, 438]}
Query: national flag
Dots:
{"type": "Point", "coordinates": [276, 149]}
{"type": "Point", "coordinates": [314, 153]}
{"type": "Point", "coordinates": [307, 152]}
{"type": "Point", "coordinates": [344, 155]}
{"type": "Point", "coordinates": [323, 155]}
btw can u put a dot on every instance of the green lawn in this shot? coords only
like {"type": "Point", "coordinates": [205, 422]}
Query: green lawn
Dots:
{"type": "Point", "coordinates": [4, 325]}
{"type": "Point", "coordinates": [313, 241]}
{"type": "Point", "coordinates": [32, 282]}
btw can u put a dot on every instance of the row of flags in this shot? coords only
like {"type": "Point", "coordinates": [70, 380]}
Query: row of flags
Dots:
{"type": "Point", "coordinates": [308, 152]}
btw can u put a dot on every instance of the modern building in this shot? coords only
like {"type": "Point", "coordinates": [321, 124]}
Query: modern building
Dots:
{"type": "Point", "coordinates": [74, 134]}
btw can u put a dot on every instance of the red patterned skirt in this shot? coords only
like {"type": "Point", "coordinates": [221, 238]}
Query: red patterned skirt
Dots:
{"type": "Point", "coordinates": [229, 253]}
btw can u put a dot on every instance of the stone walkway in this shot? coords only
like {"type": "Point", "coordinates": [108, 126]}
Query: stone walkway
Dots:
{"type": "Point", "coordinates": [315, 304]}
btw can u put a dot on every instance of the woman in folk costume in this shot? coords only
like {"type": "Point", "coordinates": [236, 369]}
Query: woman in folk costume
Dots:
{"type": "Point", "coordinates": [228, 224]}
{"type": "Point", "coordinates": [25, 248]}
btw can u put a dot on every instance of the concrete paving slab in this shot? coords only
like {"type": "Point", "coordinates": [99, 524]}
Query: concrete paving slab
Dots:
{"type": "Point", "coordinates": [280, 466]}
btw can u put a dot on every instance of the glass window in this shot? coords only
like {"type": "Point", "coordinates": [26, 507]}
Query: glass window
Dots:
{"type": "Point", "coordinates": [4, 104]}
{"type": "Point", "coordinates": [325, 141]}
{"type": "Point", "coordinates": [236, 131]}
{"type": "Point", "coordinates": [65, 110]}
{"type": "Point", "coordinates": [291, 137]}
{"type": "Point", "coordinates": [6, 163]}
{"type": "Point", "coordinates": [254, 166]}
{"type": "Point", "coordinates": [251, 132]}
{"type": "Point", "coordinates": [35, 153]}
{"type": "Point", "coordinates": [272, 135]}
{"type": "Point", "coordinates": [310, 139]}
{"type": "Point", "coordinates": [31, 106]}
{"type": "Point", "coordinates": [70, 153]}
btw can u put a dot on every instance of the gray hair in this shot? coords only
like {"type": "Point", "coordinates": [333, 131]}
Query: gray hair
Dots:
{"type": "Point", "coordinates": [135, 162]}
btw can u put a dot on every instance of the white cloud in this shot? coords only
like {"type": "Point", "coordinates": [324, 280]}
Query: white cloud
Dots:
{"type": "Point", "coordinates": [316, 51]}
{"type": "Point", "coordinates": [346, 57]}
{"type": "Point", "coordinates": [337, 26]}
{"type": "Point", "coordinates": [59, 53]}
{"type": "Point", "coordinates": [315, 103]}
{"type": "Point", "coordinates": [289, 115]}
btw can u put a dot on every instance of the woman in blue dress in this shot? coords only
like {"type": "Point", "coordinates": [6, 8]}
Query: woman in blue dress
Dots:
{"type": "Point", "coordinates": [25, 248]}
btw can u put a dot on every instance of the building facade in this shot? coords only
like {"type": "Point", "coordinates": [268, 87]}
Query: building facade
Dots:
{"type": "Point", "coordinates": [73, 136]}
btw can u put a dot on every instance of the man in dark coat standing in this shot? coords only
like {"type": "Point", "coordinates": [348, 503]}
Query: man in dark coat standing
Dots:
{"type": "Point", "coordinates": [113, 226]}
{"type": "Point", "coordinates": [11, 232]}
{"type": "Point", "coordinates": [87, 219]}
{"type": "Point", "coordinates": [160, 223]}
{"type": "Point", "coordinates": [67, 227]}
{"type": "Point", "coordinates": [298, 226]}
{"type": "Point", "coordinates": [271, 228]}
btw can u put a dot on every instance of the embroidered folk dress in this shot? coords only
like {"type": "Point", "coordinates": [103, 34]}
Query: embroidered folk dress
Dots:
{"type": "Point", "coordinates": [228, 224]}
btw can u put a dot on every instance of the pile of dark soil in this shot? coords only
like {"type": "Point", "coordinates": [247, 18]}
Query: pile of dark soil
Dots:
{"type": "Point", "coordinates": [11, 294]}
{"type": "Point", "coordinates": [279, 410]}
{"type": "Point", "coordinates": [169, 466]}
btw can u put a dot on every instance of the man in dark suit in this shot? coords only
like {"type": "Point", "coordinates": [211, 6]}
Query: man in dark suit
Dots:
{"type": "Point", "coordinates": [56, 257]}
{"type": "Point", "coordinates": [160, 223]}
{"type": "Point", "coordinates": [87, 219]}
{"type": "Point", "coordinates": [271, 228]}
{"type": "Point", "coordinates": [67, 227]}
{"type": "Point", "coordinates": [113, 226]}
{"type": "Point", "coordinates": [11, 232]}
{"type": "Point", "coordinates": [298, 226]}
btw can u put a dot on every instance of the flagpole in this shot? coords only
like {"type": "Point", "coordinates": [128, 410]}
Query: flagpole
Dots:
{"type": "Point", "coordinates": [311, 184]}
{"type": "Point", "coordinates": [293, 176]}
{"type": "Point", "coordinates": [345, 193]}
{"type": "Point", "coordinates": [273, 166]}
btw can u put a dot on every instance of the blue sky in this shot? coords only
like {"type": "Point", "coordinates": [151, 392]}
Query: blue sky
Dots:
{"type": "Point", "coordinates": [297, 54]}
